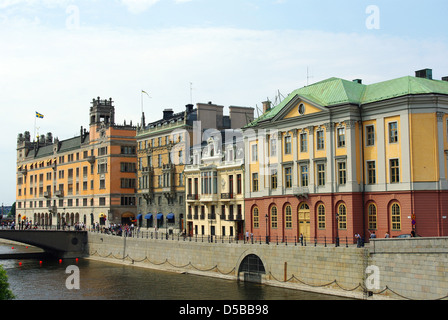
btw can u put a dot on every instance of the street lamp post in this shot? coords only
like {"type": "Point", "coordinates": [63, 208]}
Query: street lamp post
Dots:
{"type": "Point", "coordinates": [337, 229]}
{"type": "Point", "coordinates": [267, 236]}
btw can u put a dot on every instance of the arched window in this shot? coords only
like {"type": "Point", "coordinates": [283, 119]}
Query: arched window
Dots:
{"type": "Point", "coordinates": [288, 217]}
{"type": "Point", "coordinates": [371, 212]}
{"type": "Point", "coordinates": [321, 216]}
{"type": "Point", "coordinates": [342, 212]}
{"type": "Point", "coordinates": [256, 218]}
{"type": "Point", "coordinates": [274, 217]}
{"type": "Point", "coordinates": [396, 216]}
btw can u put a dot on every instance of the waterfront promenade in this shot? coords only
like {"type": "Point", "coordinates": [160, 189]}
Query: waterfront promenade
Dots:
{"type": "Point", "coordinates": [395, 268]}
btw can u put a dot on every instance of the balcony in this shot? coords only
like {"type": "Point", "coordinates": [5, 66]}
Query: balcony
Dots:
{"type": "Point", "coordinates": [59, 193]}
{"type": "Point", "coordinates": [90, 159]}
{"type": "Point", "coordinates": [192, 197]}
{"type": "Point", "coordinates": [212, 216]}
{"type": "Point", "coordinates": [147, 170]}
{"type": "Point", "coordinates": [227, 196]}
{"type": "Point", "coordinates": [209, 198]}
{"type": "Point", "coordinates": [47, 194]}
{"type": "Point", "coordinates": [301, 192]}
{"type": "Point", "coordinates": [170, 189]}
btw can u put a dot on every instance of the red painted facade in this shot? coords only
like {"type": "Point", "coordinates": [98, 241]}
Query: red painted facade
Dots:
{"type": "Point", "coordinates": [428, 206]}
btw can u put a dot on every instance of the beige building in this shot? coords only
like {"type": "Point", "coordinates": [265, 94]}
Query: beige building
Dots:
{"type": "Point", "coordinates": [215, 187]}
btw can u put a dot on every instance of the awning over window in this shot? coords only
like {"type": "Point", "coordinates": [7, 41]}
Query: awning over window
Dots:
{"type": "Point", "coordinates": [148, 216]}
{"type": "Point", "coordinates": [170, 216]}
{"type": "Point", "coordinates": [160, 216]}
{"type": "Point", "coordinates": [139, 216]}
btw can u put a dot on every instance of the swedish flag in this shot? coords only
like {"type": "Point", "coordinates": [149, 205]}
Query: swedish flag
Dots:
{"type": "Point", "coordinates": [39, 115]}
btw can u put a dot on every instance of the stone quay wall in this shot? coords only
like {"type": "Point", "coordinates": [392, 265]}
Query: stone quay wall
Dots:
{"type": "Point", "coordinates": [385, 269]}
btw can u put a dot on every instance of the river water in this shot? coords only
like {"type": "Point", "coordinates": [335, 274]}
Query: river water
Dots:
{"type": "Point", "coordinates": [45, 279]}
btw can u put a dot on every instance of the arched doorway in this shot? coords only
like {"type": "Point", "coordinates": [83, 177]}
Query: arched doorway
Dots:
{"type": "Point", "coordinates": [303, 219]}
{"type": "Point", "coordinates": [253, 268]}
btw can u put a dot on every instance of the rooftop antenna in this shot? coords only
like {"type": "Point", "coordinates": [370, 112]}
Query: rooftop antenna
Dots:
{"type": "Point", "coordinates": [191, 92]}
{"type": "Point", "coordinates": [308, 77]}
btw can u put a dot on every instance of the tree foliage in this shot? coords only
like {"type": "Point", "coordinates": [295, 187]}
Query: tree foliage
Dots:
{"type": "Point", "coordinates": [5, 292]}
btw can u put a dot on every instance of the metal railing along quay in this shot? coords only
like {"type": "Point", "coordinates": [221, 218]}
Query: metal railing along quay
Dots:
{"type": "Point", "coordinates": [253, 240]}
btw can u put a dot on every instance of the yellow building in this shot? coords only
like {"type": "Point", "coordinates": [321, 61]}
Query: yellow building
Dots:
{"type": "Point", "coordinates": [90, 178]}
{"type": "Point", "coordinates": [339, 157]}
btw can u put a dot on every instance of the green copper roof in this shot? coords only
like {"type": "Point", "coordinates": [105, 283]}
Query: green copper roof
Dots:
{"type": "Point", "coordinates": [401, 87]}
{"type": "Point", "coordinates": [336, 91]}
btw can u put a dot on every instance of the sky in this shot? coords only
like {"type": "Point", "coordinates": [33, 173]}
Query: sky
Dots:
{"type": "Point", "coordinates": [57, 55]}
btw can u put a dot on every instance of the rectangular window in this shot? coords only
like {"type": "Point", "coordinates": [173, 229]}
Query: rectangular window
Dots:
{"type": "Point", "coordinates": [288, 177]}
{"type": "Point", "coordinates": [394, 171]}
{"type": "Point", "coordinates": [239, 188]}
{"type": "Point", "coordinates": [304, 176]}
{"type": "Point", "coordinates": [370, 135]}
{"type": "Point", "coordinates": [342, 173]}
{"type": "Point", "coordinates": [393, 132]}
{"type": "Point", "coordinates": [320, 174]}
{"type": "Point", "coordinates": [255, 181]}
{"type": "Point", "coordinates": [341, 137]}
{"type": "Point", "coordinates": [303, 142]}
{"type": "Point", "coordinates": [273, 147]}
{"type": "Point", "coordinates": [320, 140]}
{"type": "Point", "coordinates": [273, 178]}
{"type": "Point", "coordinates": [371, 172]}
{"type": "Point", "coordinates": [288, 149]}
{"type": "Point", "coordinates": [254, 153]}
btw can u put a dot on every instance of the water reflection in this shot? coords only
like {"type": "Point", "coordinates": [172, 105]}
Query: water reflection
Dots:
{"type": "Point", "coordinates": [106, 281]}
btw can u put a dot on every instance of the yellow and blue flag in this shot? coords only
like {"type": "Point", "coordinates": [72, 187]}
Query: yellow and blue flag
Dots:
{"type": "Point", "coordinates": [39, 115]}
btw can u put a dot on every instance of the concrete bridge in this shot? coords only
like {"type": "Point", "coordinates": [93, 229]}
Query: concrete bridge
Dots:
{"type": "Point", "coordinates": [63, 244]}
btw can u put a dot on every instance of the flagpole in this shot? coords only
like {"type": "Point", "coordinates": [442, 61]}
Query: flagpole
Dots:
{"type": "Point", "coordinates": [34, 135]}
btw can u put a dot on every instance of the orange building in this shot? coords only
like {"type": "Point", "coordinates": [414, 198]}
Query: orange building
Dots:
{"type": "Point", "coordinates": [89, 178]}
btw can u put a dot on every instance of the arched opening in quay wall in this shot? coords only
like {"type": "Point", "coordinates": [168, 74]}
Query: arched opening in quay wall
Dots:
{"type": "Point", "coordinates": [252, 268]}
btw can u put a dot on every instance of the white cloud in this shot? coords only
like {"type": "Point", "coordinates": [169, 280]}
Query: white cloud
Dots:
{"type": "Point", "coordinates": [58, 72]}
{"type": "Point", "coordinates": [138, 6]}
{"type": "Point", "coordinates": [46, 3]}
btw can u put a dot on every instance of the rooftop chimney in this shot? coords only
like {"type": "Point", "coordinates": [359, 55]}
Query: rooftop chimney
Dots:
{"type": "Point", "coordinates": [425, 74]}
{"type": "Point", "coordinates": [266, 106]}
{"type": "Point", "coordinates": [167, 114]}
{"type": "Point", "coordinates": [189, 108]}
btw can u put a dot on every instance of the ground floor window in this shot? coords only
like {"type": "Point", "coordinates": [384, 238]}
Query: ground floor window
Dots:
{"type": "Point", "coordinates": [342, 216]}
{"type": "Point", "coordinates": [396, 216]}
